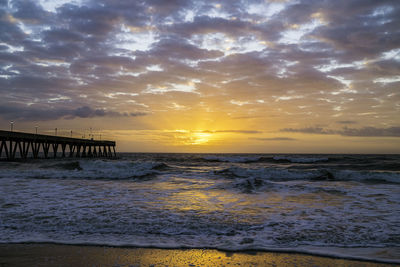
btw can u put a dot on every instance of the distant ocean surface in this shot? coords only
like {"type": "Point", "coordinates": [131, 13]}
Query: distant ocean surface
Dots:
{"type": "Point", "coordinates": [225, 201]}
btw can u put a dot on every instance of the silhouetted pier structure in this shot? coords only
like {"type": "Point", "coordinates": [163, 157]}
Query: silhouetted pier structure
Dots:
{"type": "Point", "coordinates": [26, 145]}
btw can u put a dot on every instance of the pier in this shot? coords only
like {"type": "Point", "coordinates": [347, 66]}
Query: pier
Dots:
{"type": "Point", "coordinates": [18, 145]}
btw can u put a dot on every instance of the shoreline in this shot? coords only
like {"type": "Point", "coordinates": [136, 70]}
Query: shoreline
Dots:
{"type": "Point", "coordinates": [53, 254]}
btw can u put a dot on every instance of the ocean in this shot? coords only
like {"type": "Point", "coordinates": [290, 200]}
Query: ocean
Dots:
{"type": "Point", "coordinates": [270, 202]}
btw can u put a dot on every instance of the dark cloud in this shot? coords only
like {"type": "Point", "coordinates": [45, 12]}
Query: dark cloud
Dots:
{"type": "Point", "coordinates": [275, 139]}
{"type": "Point", "coordinates": [11, 58]}
{"type": "Point", "coordinates": [42, 84]}
{"type": "Point", "coordinates": [30, 12]}
{"type": "Point", "coordinates": [206, 24]}
{"type": "Point", "coordinates": [89, 64]}
{"type": "Point", "coordinates": [94, 20]}
{"type": "Point", "coordinates": [162, 9]}
{"type": "Point", "coordinates": [3, 3]}
{"type": "Point", "coordinates": [9, 31]}
{"type": "Point", "coordinates": [371, 131]}
{"type": "Point", "coordinates": [62, 35]}
{"type": "Point", "coordinates": [25, 113]}
{"type": "Point", "coordinates": [308, 130]}
{"type": "Point", "coordinates": [346, 122]}
{"type": "Point", "coordinates": [181, 49]}
{"type": "Point", "coordinates": [361, 132]}
{"type": "Point", "coordinates": [360, 28]}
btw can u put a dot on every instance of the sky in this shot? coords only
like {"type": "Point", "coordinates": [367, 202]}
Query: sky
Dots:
{"type": "Point", "coordinates": [237, 76]}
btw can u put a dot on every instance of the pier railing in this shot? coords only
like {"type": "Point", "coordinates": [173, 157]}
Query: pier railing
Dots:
{"type": "Point", "coordinates": [27, 145]}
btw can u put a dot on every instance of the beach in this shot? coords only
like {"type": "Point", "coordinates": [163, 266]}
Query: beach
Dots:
{"type": "Point", "coordinates": [70, 255]}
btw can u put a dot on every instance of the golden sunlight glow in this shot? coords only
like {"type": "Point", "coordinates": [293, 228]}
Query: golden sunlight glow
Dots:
{"type": "Point", "coordinates": [198, 138]}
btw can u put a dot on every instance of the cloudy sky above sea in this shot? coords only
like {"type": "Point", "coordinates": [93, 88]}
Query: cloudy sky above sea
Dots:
{"type": "Point", "coordinates": [205, 76]}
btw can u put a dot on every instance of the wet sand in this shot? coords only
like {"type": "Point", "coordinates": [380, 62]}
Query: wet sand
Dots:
{"type": "Point", "coordinates": [71, 255]}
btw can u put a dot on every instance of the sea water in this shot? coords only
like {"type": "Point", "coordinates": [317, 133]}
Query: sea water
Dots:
{"type": "Point", "coordinates": [225, 201]}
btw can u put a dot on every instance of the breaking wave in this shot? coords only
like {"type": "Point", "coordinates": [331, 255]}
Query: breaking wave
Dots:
{"type": "Point", "coordinates": [277, 174]}
{"type": "Point", "coordinates": [87, 169]}
{"type": "Point", "coordinates": [299, 159]}
{"type": "Point", "coordinates": [232, 159]}
{"type": "Point", "coordinates": [275, 159]}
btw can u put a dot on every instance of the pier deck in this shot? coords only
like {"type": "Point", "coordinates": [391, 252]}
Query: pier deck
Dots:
{"type": "Point", "coordinates": [27, 145]}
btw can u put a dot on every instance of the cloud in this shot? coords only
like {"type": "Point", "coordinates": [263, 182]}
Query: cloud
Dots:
{"type": "Point", "coordinates": [346, 122]}
{"type": "Point", "coordinates": [43, 114]}
{"type": "Point", "coordinates": [181, 49]}
{"type": "Point", "coordinates": [62, 35]}
{"type": "Point", "coordinates": [346, 131]}
{"type": "Point", "coordinates": [308, 130]}
{"type": "Point", "coordinates": [275, 139]}
{"type": "Point", "coordinates": [206, 24]}
{"type": "Point", "coordinates": [371, 131]}
{"type": "Point", "coordinates": [247, 117]}
{"type": "Point", "coordinates": [234, 131]}
{"type": "Point", "coordinates": [87, 112]}
{"type": "Point", "coordinates": [30, 12]}
{"type": "Point", "coordinates": [355, 39]}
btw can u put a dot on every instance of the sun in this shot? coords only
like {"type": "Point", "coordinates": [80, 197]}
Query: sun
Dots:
{"type": "Point", "coordinates": [191, 137]}
{"type": "Point", "coordinates": [199, 138]}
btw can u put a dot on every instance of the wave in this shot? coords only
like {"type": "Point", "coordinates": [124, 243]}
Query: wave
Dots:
{"type": "Point", "coordinates": [299, 159]}
{"type": "Point", "coordinates": [275, 159]}
{"type": "Point", "coordinates": [86, 169]}
{"type": "Point", "coordinates": [233, 159]}
{"type": "Point", "coordinates": [277, 174]}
